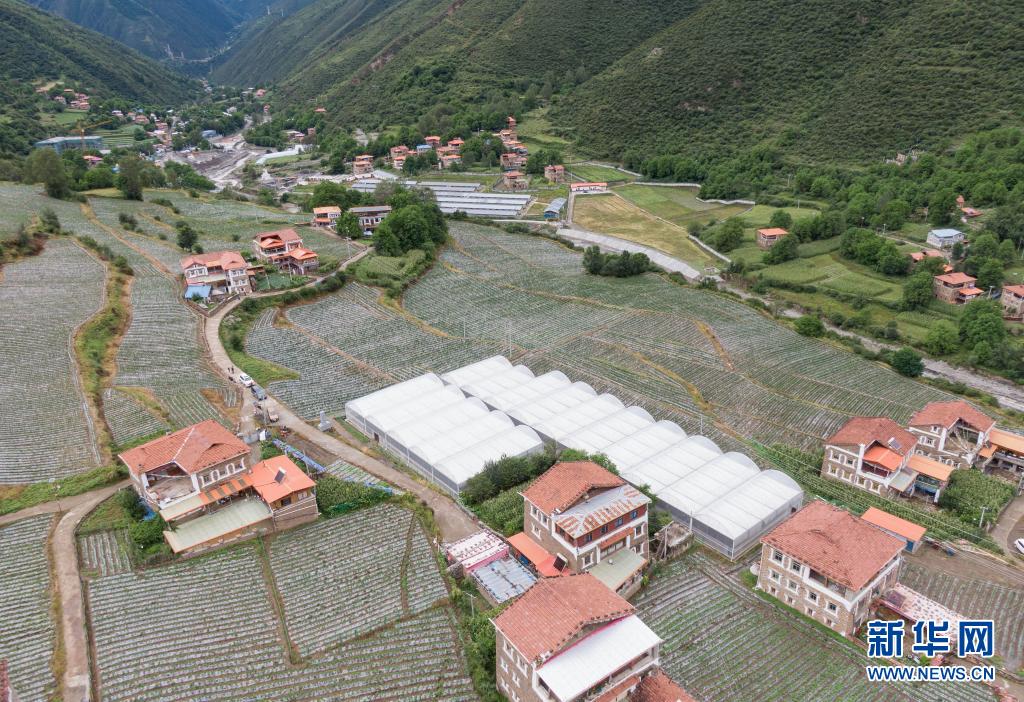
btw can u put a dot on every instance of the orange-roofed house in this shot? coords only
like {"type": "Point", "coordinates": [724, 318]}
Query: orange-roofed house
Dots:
{"type": "Point", "coordinates": [326, 216]}
{"type": "Point", "coordinates": [871, 453]}
{"type": "Point", "coordinates": [1005, 451]}
{"type": "Point", "coordinates": [433, 140]}
{"type": "Point", "coordinates": [554, 173]}
{"type": "Point", "coordinates": [446, 161]}
{"type": "Point", "coordinates": [185, 463]}
{"type": "Point", "coordinates": [951, 432]}
{"type": "Point", "coordinates": [767, 238]}
{"type": "Point", "coordinates": [588, 519]}
{"type": "Point", "coordinates": [587, 188]}
{"type": "Point", "coordinates": [956, 288]}
{"type": "Point", "coordinates": [829, 564]}
{"type": "Point", "coordinates": [456, 145]}
{"type": "Point", "coordinates": [298, 261]}
{"type": "Point", "coordinates": [659, 687]}
{"type": "Point", "coordinates": [266, 245]}
{"type": "Point", "coordinates": [511, 161]}
{"type": "Point", "coordinates": [568, 639]}
{"type": "Point", "coordinates": [1013, 301]}
{"type": "Point", "coordinates": [290, 493]}
{"type": "Point", "coordinates": [362, 165]}
{"type": "Point", "coordinates": [912, 534]}
{"type": "Point", "coordinates": [515, 180]}
{"type": "Point", "coordinates": [226, 272]}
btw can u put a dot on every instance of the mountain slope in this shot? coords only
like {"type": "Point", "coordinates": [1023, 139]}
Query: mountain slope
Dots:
{"type": "Point", "coordinates": [828, 80]}
{"type": "Point", "coordinates": [38, 46]}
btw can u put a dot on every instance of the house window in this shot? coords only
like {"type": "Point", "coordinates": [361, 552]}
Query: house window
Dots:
{"type": "Point", "coordinates": [777, 556]}
{"type": "Point", "coordinates": [810, 611]}
{"type": "Point", "coordinates": [830, 623]}
{"type": "Point", "coordinates": [792, 584]}
{"type": "Point", "coordinates": [604, 529]}
{"type": "Point", "coordinates": [813, 597]}
{"type": "Point", "coordinates": [508, 647]}
{"type": "Point", "coordinates": [831, 470]}
{"type": "Point", "coordinates": [504, 665]}
{"type": "Point", "coordinates": [214, 475]}
{"type": "Point", "coordinates": [832, 607]}
{"type": "Point", "coordinates": [588, 538]}
{"type": "Point", "coordinates": [619, 522]}
{"type": "Point", "coordinates": [286, 501]}
{"type": "Point", "coordinates": [795, 567]}
{"type": "Point", "coordinates": [774, 575]}
{"type": "Point", "coordinates": [634, 514]}
{"type": "Point", "coordinates": [639, 530]}
{"type": "Point", "coordinates": [535, 529]}
{"type": "Point", "coordinates": [588, 559]}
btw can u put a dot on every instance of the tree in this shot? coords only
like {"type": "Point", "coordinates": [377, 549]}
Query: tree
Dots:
{"type": "Point", "coordinates": [982, 320]}
{"type": "Point", "coordinates": [1007, 252]}
{"type": "Point", "coordinates": [780, 218]}
{"type": "Point", "coordinates": [907, 362]}
{"type": "Point", "coordinates": [543, 157]}
{"type": "Point", "coordinates": [895, 213]}
{"type": "Point", "coordinates": [917, 291]}
{"type": "Point", "coordinates": [729, 235]}
{"type": "Point", "coordinates": [785, 249]}
{"type": "Point", "coordinates": [48, 221]}
{"type": "Point", "coordinates": [129, 177]}
{"type": "Point", "coordinates": [942, 339]}
{"type": "Point", "coordinates": [385, 242]}
{"type": "Point", "coordinates": [100, 177]}
{"type": "Point", "coordinates": [187, 236]}
{"type": "Point", "coordinates": [941, 207]}
{"type": "Point", "coordinates": [347, 225]}
{"type": "Point", "coordinates": [809, 325]}
{"type": "Point", "coordinates": [891, 261]}
{"type": "Point", "coordinates": [46, 167]}
{"type": "Point", "coordinates": [990, 274]}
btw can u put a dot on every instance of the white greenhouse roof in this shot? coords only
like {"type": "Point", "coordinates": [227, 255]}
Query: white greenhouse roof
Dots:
{"type": "Point", "coordinates": [535, 388]}
{"type": "Point", "coordinates": [514, 441]}
{"type": "Point", "coordinates": [440, 446]}
{"type": "Point", "coordinates": [753, 502]}
{"type": "Point", "coordinates": [500, 381]}
{"type": "Point", "coordinates": [477, 371]}
{"type": "Point", "coordinates": [446, 421]}
{"type": "Point", "coordinates": [402, 392]}
{"type": "Point", "coordinates": [597, 436]}
{"type": "Point", "coordinates": [590, 660]}
{"type": "Point", "coordinates": [595, 409]}
{"type": "Point", "coordinates": [649, 441]}
{"type": "Point", "coordinates": [389, 418]}
{"type": "Point", "coordinates": [534, 412]}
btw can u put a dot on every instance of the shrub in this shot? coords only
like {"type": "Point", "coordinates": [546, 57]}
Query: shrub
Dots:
{"type": "Point", "coordinates": [131, 503]}
{"type": "Point", "coordinates": [970, 491]}
{"type": "Point", "coordinates": [148, 533]}
{"type": "Point", "coordinates": [334, 495]}
{"type": "Point", "coordinates": [907, 362]}
{"type": "Point", "coordinates": [809, 325]}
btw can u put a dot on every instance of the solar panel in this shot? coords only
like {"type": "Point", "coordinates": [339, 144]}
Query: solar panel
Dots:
{"type": "Point", "coordinates": [279, 478]}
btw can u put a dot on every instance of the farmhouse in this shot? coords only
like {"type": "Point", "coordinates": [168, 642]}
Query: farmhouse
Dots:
{"type": "Point", "coordinates": [767, 238]}
{"type": "Point", "coordinates": [573, 639]}
{"type": "Point", "coordinates": [1013, 301]}
{"type": "Point", "coordinates": [446, 161]}
{"type": "Point", "coordinates": [951, 432]}
{"type": "Point", "coordinates": [1005, 451]}
{"type": "Point", "coordinates": [226, 272]}
{"type": "Point", "coordinates": [370, 216]}
{"type": "Point", "coordinates": [363, 165]}
{"type": "Point", "coordinates": [945, 238]}
{"type": "Point", "coordinates": [433, 141]}
{"type": "Point", "coordinates": [515, 180]}
{"type": "Point", "coordinates": [918, 256]}
{"type": "Point", "coordinates": [297, 261]}
{"type": "Point", "coordinates": [198, 480]}
{"type": "Point", "coordinates": [266, 245]}
{"type": "Point", "coordinates": [555, 173]}
{"type": "Point", "coordinates": [912, 534]}
{"type": "Point", "coordinates": [877, 455]}
{"type": "Point", "coordinates": [511, 161]}
{"type": "Point", "coordinates": [326, 216]}
{"type": "Point", "coordinates": [829, 565]}
{"type": "Point", "coordinates": [456, 144]}
{"type": "Point", "coordinates": [955, 288]}
{"type": "Point", "coordinates": [484, 556]}
{"type": "Point", "coordinates": [400, 151]}
{"type": "Point", "coordinates": [584, 188]}
{"type": "Point", "coordinates": [554, 209]}
{"type": "Point", "coordinates": [591, 519]}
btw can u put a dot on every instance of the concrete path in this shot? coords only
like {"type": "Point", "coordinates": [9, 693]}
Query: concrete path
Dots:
{"type": "Point", "coordinates": [453, 521]}
{"type": "Point", "coordinates": [63, 504]}
{"type": "Point", "coordinates": [64, 550]}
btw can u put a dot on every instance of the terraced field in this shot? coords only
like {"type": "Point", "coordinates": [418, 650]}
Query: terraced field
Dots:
{"type": "Point", "coordinates": [27, 631]}
{"type": "Point", "coordinates": [722, 643]}
{"type": "Point", "coordinates": [227, 644]}
{"type": "Point", "coordinates": [977, 598]}
{"type": "Point", "coordinates": [46, 431]}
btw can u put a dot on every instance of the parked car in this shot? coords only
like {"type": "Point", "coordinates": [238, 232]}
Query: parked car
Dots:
{"type": "Point", "coordinates": [258, 392]}
{"type": "Point", "coordinates": [245, 380]}
{"type": "Point", "coordinates": [1019, 543]}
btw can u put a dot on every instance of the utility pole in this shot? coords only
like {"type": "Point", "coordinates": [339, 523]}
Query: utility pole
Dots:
{"type": "Point", "coordinates": [982, 517]}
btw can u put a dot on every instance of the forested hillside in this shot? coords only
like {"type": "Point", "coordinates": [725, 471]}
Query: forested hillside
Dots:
{"type": "Point", "coordinates": [38, 47]}
{"type": "Point", "coordinates": [821, 81]}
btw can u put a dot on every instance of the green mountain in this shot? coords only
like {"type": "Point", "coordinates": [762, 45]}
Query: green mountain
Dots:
{"type": "Point", "coordinates": [38, 47]}
{"type": "Point", "coordinates": [822, 80]}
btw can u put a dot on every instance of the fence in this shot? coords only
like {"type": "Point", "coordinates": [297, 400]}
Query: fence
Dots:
{"type": "Point", "coordinates": [320, 470]}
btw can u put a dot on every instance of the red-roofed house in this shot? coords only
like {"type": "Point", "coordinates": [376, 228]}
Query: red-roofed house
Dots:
{"type": "Point", "coordinates": [266, 245]}
{"type": "Point", "coordinates": [951, 432]}
{"type": "Point", "coordinates": [326, 216]}
{"type": "Point", "coordinates": [1013, 301]}
{"type": "Point", "coordinates": [592, 520]}
{"type": "Point", "coordinates": [514, 180]}
{"type": "Point", "coordinates": [512, 161]}
{"type": "Point", "coordinates": [658, 687]}
{"type": "Point", "coordinates": [573, 639]}
{"type": "Point", "coordinates": [829, 564]}
{"type": "Point", "coordinates": [555, 173]}
{"type": "Point", "coordinates": [224, 271]}
{"type": "Point", "coordinates": [362, 165]}
{"type": "Point", "coordinates": [767, 238]}
{"type": "Point", "coordinates": [185, 463]}
{"type": "Point", "coordinates": [871, 453]}
{"type": "Point", "coordinates": [290, 493]}
{"type": "Point", "coordinates": [912, 534]}
{"type": "Point", "coordinates": [955, 288]}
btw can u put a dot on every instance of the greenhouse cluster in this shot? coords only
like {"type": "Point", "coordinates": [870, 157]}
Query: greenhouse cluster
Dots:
{"type": "Point", "coordinates": [449, 427]}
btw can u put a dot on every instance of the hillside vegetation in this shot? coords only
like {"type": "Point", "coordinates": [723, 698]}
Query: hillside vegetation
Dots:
{"type": "Point", "coordinates": [38, 47]}
{"type": "Point", "coordinates": [821, 81]}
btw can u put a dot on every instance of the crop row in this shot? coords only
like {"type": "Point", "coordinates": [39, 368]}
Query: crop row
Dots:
{"type": "Point", "coordinates": [27, 631]}
{"type": "Point", "coordinates": [104, 552]}
{"type": "Point", "coordinates": [46, 431]}
{"type": "Point", "coordinates": [127, 418]}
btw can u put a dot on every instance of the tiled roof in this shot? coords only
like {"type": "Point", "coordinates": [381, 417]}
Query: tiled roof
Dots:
{"type": "Point", "coordinates": [772, 231]}
{"type": "Point", "coordinates": [890, 522]}
{"type": "Point", "coordinates": [1017, 290]}
{"type": "Point", "coordinates": [223, 259]}
{"type": "Point", "coordinates": [659, 687]}
{"type": "Point", "coordinates": [193, 449]}
{"type": "Point", "coordinates": [882, 456]}
{"type": "Point", "coordinates": [264, 480]}
{"type": "Point", "coordinates": [301, 254]}
{"type": "Point", "coordinates": [957, 278]}
{"type": "Point", "coordinates": [564, 483]}
{"type": "Point", "coordinates": [283, 234]}
{"type": "Point", "coordinates": [555, 610]}
{"type": "Point", "coordinates": [868, 430]}
{"type": "Point", "coordinates": [540, 557]}
{"type": "Point", "coordinates": [587, 516]}
{"type": "Point", "coordinates": [930, 467]}
{"type": "Point", "coordinates": [947, 413]}
{"type": "Point", "coordinates": [328, 209]}
{"type": "Point", "coordinates": [834, 542]}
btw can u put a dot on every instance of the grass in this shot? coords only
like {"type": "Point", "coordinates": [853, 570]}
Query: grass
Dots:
{"type": "Point", "coordinates": [279, 281]}
{"type": "Point", "coordinates": [536, 132]}
{"type": "Point", "coordinates": [108, 515]}
{"type": "Point", "coordinates": [614, 215]}
{"type": "Point", "coordinates": [17, 497]}
{"type": "Point", "coordinates": [262, 371]}
{"type": "Point", "coordinates": [678, 205]}
{"type": "Point", "coordinates": [384, 270]}
{"type": "Point", "coordinates": [592, 173]}
{"type": "Point", "coordinates": [62, 119]}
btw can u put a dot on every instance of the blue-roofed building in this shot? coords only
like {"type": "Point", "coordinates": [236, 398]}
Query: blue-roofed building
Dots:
{"type": "Point", "coordinates": [62, 143]}
{"type": "Point", "coordinates": [423, 148]}
{"type": "Point", "coordinates": [201, 291]}
{"type": "Point", "coordinates": [945, 238]}
{"type": "Point", "coordinates": [554, 210]}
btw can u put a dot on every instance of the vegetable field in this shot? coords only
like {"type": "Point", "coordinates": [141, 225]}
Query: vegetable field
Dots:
{"type": "Point", "coordinates": [229, 644]}
{"type": "Point", "coordinates": [27, 633]}
{"type": "Point", "coordinates": [1003, 604]}
{"type": "Point", "coordinates": [46, 431]}
{"type": "Point", "coordinates": [724, 643]}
